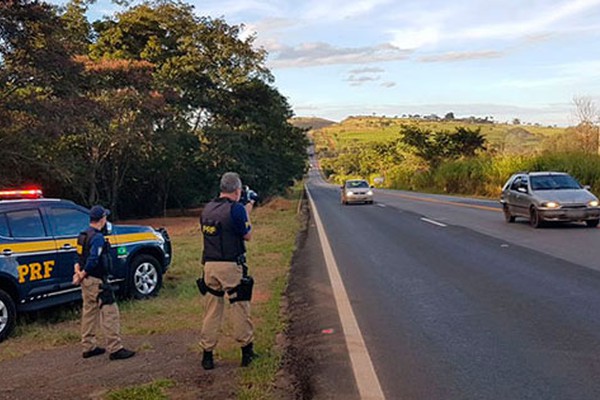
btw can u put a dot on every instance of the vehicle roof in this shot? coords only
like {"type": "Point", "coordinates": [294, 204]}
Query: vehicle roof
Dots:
{"type": "Point", "coordinates": [17, 202]}
{"type": "Point", "coordinates": [539, 173]}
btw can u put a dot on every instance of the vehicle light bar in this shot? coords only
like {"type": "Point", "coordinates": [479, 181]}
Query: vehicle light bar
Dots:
{"type": "Point", "coordinates": [21, 194]}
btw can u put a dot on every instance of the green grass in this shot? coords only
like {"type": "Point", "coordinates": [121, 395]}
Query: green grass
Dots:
{"type": "Point", "coordinates": [180, 307]}
{"type": "Point", "coordinates": [356, 131]}
{"type": "Point", "coordinates": [151, 391]}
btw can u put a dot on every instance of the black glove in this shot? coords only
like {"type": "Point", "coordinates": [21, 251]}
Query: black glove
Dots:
{"type": "Point", "coordinates": [248, 195]}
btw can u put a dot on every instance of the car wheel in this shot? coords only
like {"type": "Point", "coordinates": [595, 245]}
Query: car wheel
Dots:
{"type": "Point", "coordinates": [592, 223]}
{"type": "Point", "coordinates": [8, 315]}
{"type": "Point", "coordinates": [145, 278]}
{"type": "Point", "coordinates": [534, 218]}
{"type": "Point", "coordinates": [508, 217]}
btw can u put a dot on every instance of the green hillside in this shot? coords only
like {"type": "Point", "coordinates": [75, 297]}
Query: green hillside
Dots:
{"type": "Point", "coordinates": [311, 122]}
{"type": "Point", "coordinates": [504, 138]}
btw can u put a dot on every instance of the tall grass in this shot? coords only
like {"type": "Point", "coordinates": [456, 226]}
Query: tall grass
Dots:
{"type": "Point", "coordinates": [485, 175]}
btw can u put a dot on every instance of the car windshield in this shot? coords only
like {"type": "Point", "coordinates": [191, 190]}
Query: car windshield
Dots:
{"type": "Point", "coordinates": [356, 184]}
{"type": "Point", "coordinates": [553, 182]}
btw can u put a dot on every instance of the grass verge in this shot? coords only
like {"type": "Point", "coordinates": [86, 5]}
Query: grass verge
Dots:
{"type": "Point", "coordinates": [179, 306]}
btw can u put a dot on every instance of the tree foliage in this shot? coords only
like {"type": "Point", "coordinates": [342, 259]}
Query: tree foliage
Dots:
{"type": "Point", "coordinates": [140, 111]}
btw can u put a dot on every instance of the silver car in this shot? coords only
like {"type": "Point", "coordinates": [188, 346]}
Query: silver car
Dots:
{"type": "Point", "coordinates": [548, 196]}
{"type": "Point", "coordinates": [357, 191]}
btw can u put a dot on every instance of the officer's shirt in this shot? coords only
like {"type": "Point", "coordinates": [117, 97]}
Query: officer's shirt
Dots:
{"type": "Point", "coordinates": [241, 224]}
{"type": "Point", "coordinates": [92, 266]}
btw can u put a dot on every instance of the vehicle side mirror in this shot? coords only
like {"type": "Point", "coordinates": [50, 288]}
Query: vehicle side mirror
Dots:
{"type": "Point", "coordinates": [522, 189]}
{"type": "Point", "coordinates": [587, 187]}
{"type": "Point", "coordinates": [109, 228]}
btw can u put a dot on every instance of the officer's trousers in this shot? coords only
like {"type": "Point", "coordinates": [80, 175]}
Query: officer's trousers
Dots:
{"type": "Point", "coordinates": [93, 317]}
{"type": "Point", "coordinates": [224, 276]}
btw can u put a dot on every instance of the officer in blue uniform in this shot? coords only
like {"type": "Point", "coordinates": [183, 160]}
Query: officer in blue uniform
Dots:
{"type": "Point", "coordinates": [225, 227]}
{"type": "Point", "coordinates": [99, 306]}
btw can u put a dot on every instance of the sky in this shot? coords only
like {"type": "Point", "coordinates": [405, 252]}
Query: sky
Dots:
{"type": "Point", "coordinates": [525, 59]}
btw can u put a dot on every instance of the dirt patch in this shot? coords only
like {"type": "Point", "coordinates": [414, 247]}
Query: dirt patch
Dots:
{"type": "Point", "coordinates": [63, 373]}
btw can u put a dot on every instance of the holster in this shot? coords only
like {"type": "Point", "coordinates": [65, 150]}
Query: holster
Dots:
{"type": "Point", "coordinates": [243, 291]}
{"type": "Point", "coordinates": [107, 294]}
{"type": "Point", "coordinates": [203, 288]}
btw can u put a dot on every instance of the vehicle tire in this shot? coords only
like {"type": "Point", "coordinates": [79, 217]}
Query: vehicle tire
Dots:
{"type": "Point", "coordinates": [145, 277]}
{"type": "Point", "coordinates": [508, 217]}
{"type": "Point", "coordinates": [534, 218]}
{"type": "Point", "coordinates": [592, 223]}
{"type": "Point", "coordinates": [8, 315]}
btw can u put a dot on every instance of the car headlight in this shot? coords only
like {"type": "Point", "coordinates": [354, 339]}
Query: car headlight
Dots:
{"type": "Point", "coordinates": [349, 193]}
{"type": "Point", "coordinates": [159, 237]}
{"type": "Point", "coordinates": [550, 204]}
{"type": "Point", "coordinates": [370, 193]}
{"type": "Point", "coordinates": [593, 203]}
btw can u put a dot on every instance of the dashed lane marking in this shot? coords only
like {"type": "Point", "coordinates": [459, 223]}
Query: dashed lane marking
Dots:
{"type": "Point", "coordinates": [362, 366]}
{"type": "Point", "coordinates": [434, 222]}
{"type": "Point", "coordinates": [381, 205]}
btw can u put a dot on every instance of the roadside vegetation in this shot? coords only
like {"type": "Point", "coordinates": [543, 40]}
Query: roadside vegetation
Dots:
{"type": "Point", "coordinates": [470, 156]}
{"type": "Point", "coordinates": [178, 307]}
{"type": "Point", "coordinates": [142, 110]}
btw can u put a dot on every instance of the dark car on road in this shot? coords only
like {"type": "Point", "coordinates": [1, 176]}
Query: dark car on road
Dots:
{"type": "Point", "coordinates": [548, 196]}
{"type": "Point", "coordinates": [38, 241]}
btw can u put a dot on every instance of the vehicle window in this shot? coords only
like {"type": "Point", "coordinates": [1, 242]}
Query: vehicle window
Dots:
{"type": "Point", "coordinates": [516, 183]}
{"type": "Point", "coordinates": [26, 223]}
{"type": "Point", "coordinates": [68, 221]}
{"type": "Point", "coordinates": [4, 226]}
{"type": "Point", "coordinates": [357, 184]}
{"type": "Point", "coordinates": [553, 182]}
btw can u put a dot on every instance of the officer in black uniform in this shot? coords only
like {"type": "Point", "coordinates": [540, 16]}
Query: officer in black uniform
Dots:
{"type": "Point", "coordinates": [99, 306]}
{"type": "Point", "coordinates": [225, 226]}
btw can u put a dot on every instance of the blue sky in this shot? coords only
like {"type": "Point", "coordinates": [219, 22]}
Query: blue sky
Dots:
{"type": "Point", "coordinates": [504, 58]}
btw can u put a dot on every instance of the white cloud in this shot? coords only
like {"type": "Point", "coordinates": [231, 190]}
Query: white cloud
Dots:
{"type": "Point", "coordinates": [454, 56]}
{"type": "Point", "coordinates": [314, 54]}
{"type": "Point", "coordinates": [332, 10]}
{"type": "Point", "coordinates": [372, 70]}
{"type": "Point", "coordinates": [388, 84]}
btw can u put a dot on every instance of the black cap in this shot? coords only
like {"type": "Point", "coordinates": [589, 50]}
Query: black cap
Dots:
{"type": "Point", "coordinates": [97, 212]}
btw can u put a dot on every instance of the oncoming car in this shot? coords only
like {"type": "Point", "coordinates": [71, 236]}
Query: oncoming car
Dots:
{"type": "Point", "coordinates": [548, 196]}
{"type": "Point", "coordinates": [38, 241]}
{"type": "Point", "coordinates": [357, 191]}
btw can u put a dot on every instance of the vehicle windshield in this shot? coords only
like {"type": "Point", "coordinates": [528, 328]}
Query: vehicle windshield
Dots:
{"type": "Point", "coordinates": [553, 182]}
{"type": "Point", "coordinates": [356, 184]}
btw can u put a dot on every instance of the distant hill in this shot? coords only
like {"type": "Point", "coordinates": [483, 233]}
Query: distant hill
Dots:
{"type": "Point", "coordinates": [311, 122]}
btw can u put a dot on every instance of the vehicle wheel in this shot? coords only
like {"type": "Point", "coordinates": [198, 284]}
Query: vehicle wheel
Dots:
{"type": "Point", "coordinates": [592, 223]}
{"type": "Point", "coordinates": [8, 315]}
{"type": "Point", "coordinates": [508, 217]}
{"type": "Point", "coordinates": [145, 277]}
{"type": "Point", "coordinates": [534, 218]}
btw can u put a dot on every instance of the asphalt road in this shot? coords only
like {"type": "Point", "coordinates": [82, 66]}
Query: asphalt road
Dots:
{"type": "Point", "coordinates": [454, 303]}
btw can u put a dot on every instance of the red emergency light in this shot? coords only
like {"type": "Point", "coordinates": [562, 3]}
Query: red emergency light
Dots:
{"type": "Point", "coordinates": [21, 194]}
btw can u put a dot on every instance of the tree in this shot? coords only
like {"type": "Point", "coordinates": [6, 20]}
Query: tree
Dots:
{"type": "Point", "coordinates": [435, 147]}
{"type": "Point", "coordinates": [449, 116]}
{"type": "Point", "coordinates": [587, 130]}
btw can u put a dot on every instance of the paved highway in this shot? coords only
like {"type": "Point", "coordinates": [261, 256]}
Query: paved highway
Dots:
{"type": "Point", "coordinates": [454, 303]}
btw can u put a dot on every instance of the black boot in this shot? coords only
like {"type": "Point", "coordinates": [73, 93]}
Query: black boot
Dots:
{"type": "Point", "coordinates": [248, 354]}
{"type": "Point", "coordinates": [207, 360]}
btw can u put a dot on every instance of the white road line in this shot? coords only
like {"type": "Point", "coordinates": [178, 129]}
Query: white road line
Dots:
{"type": "Point", "coordinates": [364, 372]}
{"type": "Point", "coordinates": [381, 205]}
{"type": "Point", "coordinates": [433, 222]}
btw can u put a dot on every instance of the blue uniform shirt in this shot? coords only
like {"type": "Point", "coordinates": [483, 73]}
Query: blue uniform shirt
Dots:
{"type": "Point", "coordinates": [240, 220]}
{"type": "Point", "coordinates": [92, 266]}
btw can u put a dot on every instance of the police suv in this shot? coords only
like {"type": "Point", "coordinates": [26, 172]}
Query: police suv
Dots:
{"type": "Point", "coordinates": [38, 240]}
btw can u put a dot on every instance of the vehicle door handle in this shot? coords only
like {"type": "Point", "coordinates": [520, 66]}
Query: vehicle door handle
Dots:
{"type": "Point", "coordinates": [67, 246]}
{"type": "Point", "coordinates": [7, 252]}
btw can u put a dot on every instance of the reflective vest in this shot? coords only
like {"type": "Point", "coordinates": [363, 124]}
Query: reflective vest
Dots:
{"type": "Point", "coordinates": [221, 241]}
